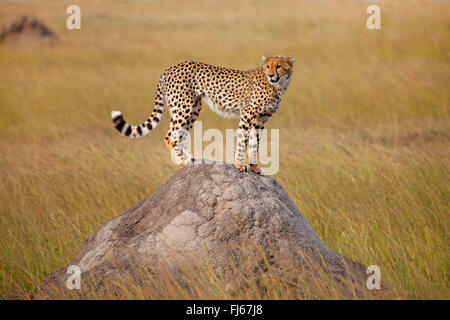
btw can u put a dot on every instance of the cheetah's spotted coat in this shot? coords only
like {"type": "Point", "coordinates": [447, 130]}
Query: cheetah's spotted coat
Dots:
{"type": "Point", "coordinates": [253, 96]}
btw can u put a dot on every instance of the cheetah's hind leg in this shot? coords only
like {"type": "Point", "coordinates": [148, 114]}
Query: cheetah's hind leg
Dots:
{"type": "Point", "coordinates": [180, 124]}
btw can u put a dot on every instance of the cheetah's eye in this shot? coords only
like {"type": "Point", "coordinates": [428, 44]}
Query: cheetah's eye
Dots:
{"type": "Point", "coordinates": [278, 67]}
{"type": "Point", "coordinates": [267, 67]}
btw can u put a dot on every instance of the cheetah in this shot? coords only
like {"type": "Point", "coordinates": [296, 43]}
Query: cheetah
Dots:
{"type": "Point", "coordinates": [253, 96]}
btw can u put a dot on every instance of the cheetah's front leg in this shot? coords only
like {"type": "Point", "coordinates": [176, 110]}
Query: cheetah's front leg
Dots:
{"type": "Point", "coordinates": [255, 133]}
{"type": "Point", "coordinates": [253, 148]}
{"type": "Point", "coordinates": [242, 140]}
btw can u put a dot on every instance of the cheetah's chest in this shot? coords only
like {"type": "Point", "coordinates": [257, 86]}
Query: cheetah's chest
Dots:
{"type": "Point", "coordinates": [273, 106]}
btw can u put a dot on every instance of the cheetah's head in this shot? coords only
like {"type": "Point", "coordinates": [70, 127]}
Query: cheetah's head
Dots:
{"type": "Point", "coordinates": [278, 69]}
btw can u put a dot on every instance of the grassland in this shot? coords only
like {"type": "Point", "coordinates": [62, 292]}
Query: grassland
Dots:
{"type": "Point", "coordinates": [364, 129]}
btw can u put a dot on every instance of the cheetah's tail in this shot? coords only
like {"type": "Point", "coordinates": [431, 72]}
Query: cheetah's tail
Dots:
{"type": "Point", "coordinates": [144, 128]}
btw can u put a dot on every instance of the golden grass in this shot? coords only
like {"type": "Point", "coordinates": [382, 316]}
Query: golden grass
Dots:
{"type": "Point", "coordinates": [364, 130]}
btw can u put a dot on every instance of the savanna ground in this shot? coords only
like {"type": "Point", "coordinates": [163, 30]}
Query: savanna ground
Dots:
{"type": "Point", "coordinates": [364, 129]}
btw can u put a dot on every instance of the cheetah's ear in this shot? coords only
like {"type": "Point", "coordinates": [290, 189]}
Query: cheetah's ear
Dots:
{"type": "Point", "coordinates": [291, 60]}
{"type": "Point", "coordinates": [264, 59]}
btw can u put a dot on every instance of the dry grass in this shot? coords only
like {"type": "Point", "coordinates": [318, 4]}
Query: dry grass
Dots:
{"type": "Point", "coordinates": [364, 129]}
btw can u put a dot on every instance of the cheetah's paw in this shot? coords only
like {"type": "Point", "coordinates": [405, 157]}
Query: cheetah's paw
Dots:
{"type": "Point", "coordinates": [256, 169]}
{"type": "Point", "coordinates": [241, 167]}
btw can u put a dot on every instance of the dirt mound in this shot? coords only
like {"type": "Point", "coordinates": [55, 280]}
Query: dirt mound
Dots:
{"type": "Point", "coordinates": [208, 213]}
{"type": "Point", "coordinates": [26, 30]}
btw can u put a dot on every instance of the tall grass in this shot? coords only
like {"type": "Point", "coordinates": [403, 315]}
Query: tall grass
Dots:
{"type": "Point", "coordinates": [364, 129]}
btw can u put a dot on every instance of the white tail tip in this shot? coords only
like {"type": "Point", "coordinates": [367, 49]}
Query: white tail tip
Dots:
{"type": "Point", "coordinates": [115, 114]}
